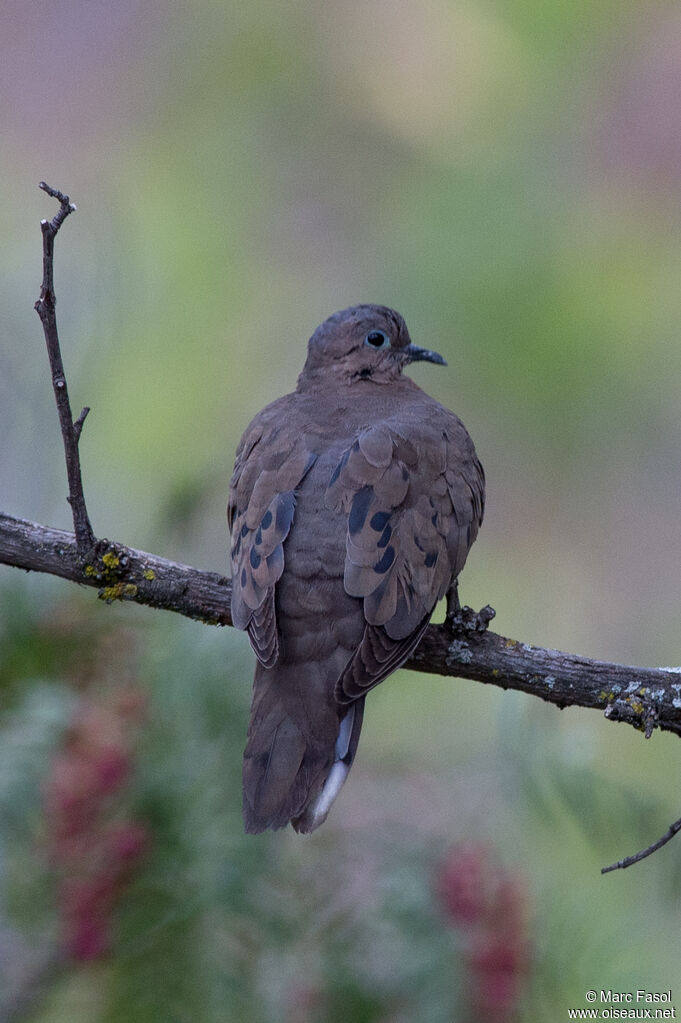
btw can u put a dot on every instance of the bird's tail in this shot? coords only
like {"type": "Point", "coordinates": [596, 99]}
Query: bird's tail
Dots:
{"type": "Point", "coordinates": [317, 809]}
{"type": "Point", "coordinates": [298, 755]}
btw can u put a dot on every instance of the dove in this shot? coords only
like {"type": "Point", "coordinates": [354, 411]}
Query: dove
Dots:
{"type": "Point", "coordinates": [352, 507]}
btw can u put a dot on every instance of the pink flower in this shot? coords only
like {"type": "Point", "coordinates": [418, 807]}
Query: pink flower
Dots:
{"type": "Point", "coordinates": [93, 846]}
{"type": "Point", "coordinates": [488, 906]}
{"type": "Point", "coordinates": [87, 938]}
{"type": "Point", "coordinates": [461, 883]}
{"type": "Point", "coordinates": [128, 842]}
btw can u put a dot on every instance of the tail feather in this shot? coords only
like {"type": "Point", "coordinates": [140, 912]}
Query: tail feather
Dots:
{"type": "Point", "coordinates": [269, 778]}
{"type": "Point", "coordinates": [293, 772]}
{"type": "Point", "coordinates": [317, 809]}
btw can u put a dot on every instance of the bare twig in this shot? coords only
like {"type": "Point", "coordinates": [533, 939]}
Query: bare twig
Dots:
{"type": "Point", "coordinates": [637, 857]}
{"type": "Point", "coordinates": [78, 425]}
{"type": "Point", "coordinates": [70, 430]}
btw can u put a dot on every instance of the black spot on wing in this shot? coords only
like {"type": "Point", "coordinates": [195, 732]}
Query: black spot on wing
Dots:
{"type": "Point", "coordinates": [254, 558]}
{"type": "Point", "coordinates": [431, 558]}
{"type": "Point", "coordinates": [275, 561]}
{"type": "Point", "coordinates": [285, 508]}
{"type": "Point", "coordinates": [385, 536]}
{"type": "Point", "coordinates": [266, 520]}
{"type": "Point", "coordinates": [379, 520]}
{"type": "Point", "coordinates": [386, 561]}
{"type": "Point", "coordinates": [359, 509]}
{"type": "Point", "coordinates": [244, 577]}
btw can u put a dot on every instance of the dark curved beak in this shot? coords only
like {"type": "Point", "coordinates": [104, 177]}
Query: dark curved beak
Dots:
{"type": "Point", "coordinates": [416, 354]}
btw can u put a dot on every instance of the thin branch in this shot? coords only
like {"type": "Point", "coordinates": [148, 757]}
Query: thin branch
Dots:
{"type": "Point", "coordinates": [78, 425]}
{"type": "Point", "coordinates": [70, 431]}
{"type": "Point", "coordinates": [637, 857]}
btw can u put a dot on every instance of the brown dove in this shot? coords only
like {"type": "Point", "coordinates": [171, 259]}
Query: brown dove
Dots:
{"type": "Point", "coordinates": [353, 504]}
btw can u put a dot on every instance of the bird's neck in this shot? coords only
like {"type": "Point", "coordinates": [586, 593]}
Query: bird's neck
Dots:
{"type": "Point", "coordinates": [324, 379]}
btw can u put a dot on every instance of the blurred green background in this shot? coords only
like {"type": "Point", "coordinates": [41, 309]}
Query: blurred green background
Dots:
{"type": "Point", "coordinates": [505, 174]}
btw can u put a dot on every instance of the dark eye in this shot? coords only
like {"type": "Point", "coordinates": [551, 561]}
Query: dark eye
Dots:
{"type": "Point", "coordinates": [377, 339]}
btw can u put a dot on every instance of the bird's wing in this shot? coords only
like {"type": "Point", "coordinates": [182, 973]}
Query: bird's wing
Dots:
{"type": "Point", "coordinates": [270, 466]}
{"type": "Point", "coordinates": [414, 505]}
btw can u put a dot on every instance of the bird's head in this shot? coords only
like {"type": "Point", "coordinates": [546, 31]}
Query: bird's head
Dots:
{"type": "Point", "coordinates": [364, 342]}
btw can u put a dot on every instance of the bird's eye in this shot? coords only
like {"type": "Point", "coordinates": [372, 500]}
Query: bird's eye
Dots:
{"type": "Point", "coordinates": [377, 339]}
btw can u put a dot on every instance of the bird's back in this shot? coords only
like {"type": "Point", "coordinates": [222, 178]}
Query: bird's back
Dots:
{"type": "Point", "coordinates": [352, 508]}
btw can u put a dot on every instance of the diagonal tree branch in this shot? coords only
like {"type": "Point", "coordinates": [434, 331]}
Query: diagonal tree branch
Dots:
{"type": "Point", "coordinates": [645, 698]}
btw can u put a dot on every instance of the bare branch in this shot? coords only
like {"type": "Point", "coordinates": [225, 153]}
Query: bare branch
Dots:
{"type": "Point", "coordinates": [645, 698]}
{"type": "Point", "coordinates": [634, 695]}
{"type": "Point", "coordinates": [78, 425]}
{"type": "Point", "coordinates": [637, 857]}
{"type": "Point", "coordinates": [70, 431]}
{"type": "Point", "coordinates": [117, 572]}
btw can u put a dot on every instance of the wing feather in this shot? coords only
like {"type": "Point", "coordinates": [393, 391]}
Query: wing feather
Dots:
{"type": "Point", "coordinates": [413, 506]}
{"type": "Point", "coordinates": [270, 466]}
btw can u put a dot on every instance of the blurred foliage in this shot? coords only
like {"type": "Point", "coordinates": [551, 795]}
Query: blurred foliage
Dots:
{"type": "Point", "coordinates": [507, 176]}
{"type": "Point", "coordinates": [350, 923]}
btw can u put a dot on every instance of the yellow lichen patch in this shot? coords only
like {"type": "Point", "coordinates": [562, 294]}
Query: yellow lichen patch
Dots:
{"type": "Point", "coordinates": [149, 574]}
{"type": "Point", "coordinates": [90, 570]}
{"type": "Point", "coordinates": [111, 560]}
{"type": "Point", "coordinates": [121, 591]}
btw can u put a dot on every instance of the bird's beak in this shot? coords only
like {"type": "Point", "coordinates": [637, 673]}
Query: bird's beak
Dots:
{"type": "Point", "coordinates": [416, 354]}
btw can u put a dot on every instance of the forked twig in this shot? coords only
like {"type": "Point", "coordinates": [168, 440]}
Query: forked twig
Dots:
{"type": "Point", "coordinates": [70, 430]}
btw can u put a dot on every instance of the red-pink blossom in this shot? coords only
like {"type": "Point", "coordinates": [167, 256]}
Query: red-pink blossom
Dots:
{"type": "Point", "coordinates": [93, 845]}
{"type": "Point", "coordinates": [489, 908]}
